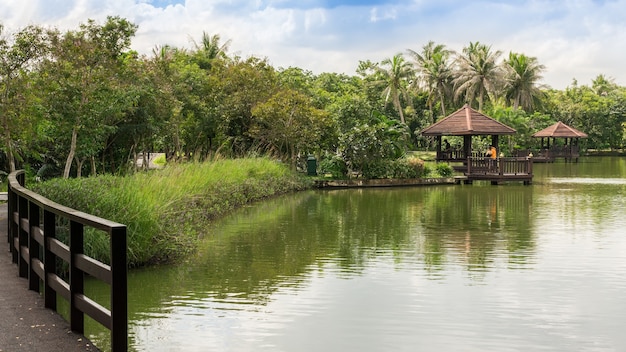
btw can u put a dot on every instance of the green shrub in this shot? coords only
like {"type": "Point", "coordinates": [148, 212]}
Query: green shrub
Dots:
{"type": "Point", "coordinates": [427, 171]}
{"type": "Point", "coordinates": [334, 165]}
{"type": "Point", "coordinates": [411, 167]}
{"type": "Point", "coordinates": [377, 169]}
{"type": "Point", "coordinates": [401, 169]}
{"type": "Point", "coordinates": [416, 164]}
{"type": "Point", "coordinates": [444, 170]}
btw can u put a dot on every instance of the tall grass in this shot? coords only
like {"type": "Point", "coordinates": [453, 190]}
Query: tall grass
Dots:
{"type": "Point", "coordinates": [166, 210]}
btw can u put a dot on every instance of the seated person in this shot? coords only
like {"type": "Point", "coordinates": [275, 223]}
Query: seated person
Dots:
{"type": "Point", "coordinates": [492, 152]}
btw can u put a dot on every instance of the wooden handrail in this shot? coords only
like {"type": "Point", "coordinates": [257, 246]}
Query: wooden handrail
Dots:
{"type": "Point", "coordinates": [34, 247]}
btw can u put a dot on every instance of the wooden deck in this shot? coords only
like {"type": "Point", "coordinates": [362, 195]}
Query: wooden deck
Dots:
{"type": "Point", "coordinates": [500, 170]}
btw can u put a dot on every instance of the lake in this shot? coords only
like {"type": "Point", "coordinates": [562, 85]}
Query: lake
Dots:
{"type": "Point", "coordinates": [434, 268]}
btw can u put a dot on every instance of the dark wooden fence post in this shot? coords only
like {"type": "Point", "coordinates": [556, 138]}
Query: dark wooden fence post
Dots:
{"type": "Point", "coordinates": [22, 209]}
{"type": "Point", "coordinates": [49, 232]}
{"type": "Point", "coordinates": [12, 233]}
{"type": "Point", "coordinates": [77, 282]}
{"type": "Point", "coordinates": [33, 245]}
{"type": "Point", "coordinates": [119, 290]}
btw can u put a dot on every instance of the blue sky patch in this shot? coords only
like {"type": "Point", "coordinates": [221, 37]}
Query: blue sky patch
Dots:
{"type": "Point", "coordinates": [165, 3]}
{"type": "Point", "coordinates": [330, 4]}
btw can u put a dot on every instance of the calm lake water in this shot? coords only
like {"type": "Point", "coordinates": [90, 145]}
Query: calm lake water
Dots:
{"type": "Point", "coordinates": [438, 268]}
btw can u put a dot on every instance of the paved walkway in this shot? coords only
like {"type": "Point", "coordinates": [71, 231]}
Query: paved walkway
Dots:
{"type": "Point", "coordinates": [25, 324]}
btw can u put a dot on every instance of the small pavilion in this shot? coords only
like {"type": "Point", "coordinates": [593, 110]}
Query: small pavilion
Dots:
{"type": "Point", "coordinates": [569, 149]}
{"type": "Point", "coordinates": [465, 122]}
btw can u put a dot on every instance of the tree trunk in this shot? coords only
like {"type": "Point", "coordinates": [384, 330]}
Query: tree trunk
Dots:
{"type": "Point", "coordinates": [93, 166]}
{"type": "Point", "coordinates": [10, 156]}
{"type": "Point", "coordinates": [516, 103]}
{"type": "Point", "coordinates": [396, 101]}
{"type": "Point", "coordinates": [145, 160]}
{"type": "Point", "coordinates": [70, 155]}
{"type": "Point", "coordinates": [79, 167]}
{"type": "Point", "coordinates": [9, 145]}
{"type": "Point", "coordinates": [11, 159]}
{"type": "Point", "coordinates": [443, 107]}
{"type": "Point", "coordinates": [430, 109]}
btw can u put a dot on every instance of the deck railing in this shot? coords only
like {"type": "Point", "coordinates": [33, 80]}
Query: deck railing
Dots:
{"type": "Point", "coordinates": [500, 166]}
{"type": "Point", "coordinates": [456, 155]}
{"type": "Point", "coordinates": [32, 237]}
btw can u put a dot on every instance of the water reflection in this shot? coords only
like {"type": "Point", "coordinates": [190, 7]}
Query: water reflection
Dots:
{"type": "Point", "coordinates": [471, 267]}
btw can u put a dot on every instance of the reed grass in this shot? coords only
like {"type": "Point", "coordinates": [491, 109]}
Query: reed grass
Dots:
{"type": "Point", "coordinates": [167, 210]}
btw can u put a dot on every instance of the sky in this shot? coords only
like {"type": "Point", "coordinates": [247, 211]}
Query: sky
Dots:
{"type": "Point", "coordinates": [574, 39]}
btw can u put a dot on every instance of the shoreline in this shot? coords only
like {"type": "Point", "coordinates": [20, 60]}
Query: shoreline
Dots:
{"type": "Point", "coordinates": [387, 182]}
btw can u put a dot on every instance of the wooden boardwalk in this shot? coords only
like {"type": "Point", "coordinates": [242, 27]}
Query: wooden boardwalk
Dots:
{"type": "Point", "coordinates": [26, 324]}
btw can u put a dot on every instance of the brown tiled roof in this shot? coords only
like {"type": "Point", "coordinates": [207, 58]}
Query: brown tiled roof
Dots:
{"type": "Point", "coordinates": [467, 121]}
{"type": "Point", "coordinates": [562, 130]}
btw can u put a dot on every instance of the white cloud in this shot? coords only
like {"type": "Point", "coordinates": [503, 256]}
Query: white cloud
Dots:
{"type": "Point", "coordinates": [376, 15]}
{"type": "Point", "coordinates": [572, 38]}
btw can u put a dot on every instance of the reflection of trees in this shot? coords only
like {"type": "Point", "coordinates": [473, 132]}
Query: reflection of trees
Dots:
{"type": "Point", "coordinates": [477, 223]}
{"type": "Point", "coordinates": [255, 251]}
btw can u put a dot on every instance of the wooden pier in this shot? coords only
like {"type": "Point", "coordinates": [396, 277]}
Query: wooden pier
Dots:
{"type": "Point", "coordinates": [500, 170]}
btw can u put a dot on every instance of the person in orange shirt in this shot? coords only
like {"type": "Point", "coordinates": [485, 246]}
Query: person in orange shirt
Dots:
{"type": "Point", "coordinates": [492, 152]}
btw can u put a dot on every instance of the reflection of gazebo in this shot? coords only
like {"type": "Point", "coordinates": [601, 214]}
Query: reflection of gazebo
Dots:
{"type": "Point", "coordinates": [569, 150]}
{"type": "Point", "coordinates": [465, 122]}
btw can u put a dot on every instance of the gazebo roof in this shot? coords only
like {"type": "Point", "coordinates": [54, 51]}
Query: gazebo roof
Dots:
{"type": "Point", "coordinates": [562, 130]}
{"type": "Point", "coordinates": [467, 121]}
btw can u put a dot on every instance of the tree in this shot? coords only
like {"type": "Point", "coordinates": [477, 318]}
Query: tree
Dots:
{"type": "Point", "coordinates": [142, 129]}
{"type": "Point", "coordinates": [435, 73]}
{"type": "Point", "coordinates": [210, 49]}
{"type": "Point", "coordinates": [242, 85]}
{"type": "Point", "coordinates": [393, 75]}
{"type": "Point", "coordinates": [288, 124]}
{"type": "Point", "coordinates": [522, 74]}
{"type": "Point", "coordinates": [602, 85]}
{"type": "Point", "coordinates": [478, 73]}
{"type": "Point", "coordinates": [600, 116]}
{"type": "Point", "coordinates": [18, 101]}
{"type": "Point", "coordinates": [373, 141]}
{"type": "Point", "coordinates": [86, 91]}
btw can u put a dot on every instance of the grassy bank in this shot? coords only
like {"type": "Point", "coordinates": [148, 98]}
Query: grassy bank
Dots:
{"type": "Point", "coordinates": [166, 210]}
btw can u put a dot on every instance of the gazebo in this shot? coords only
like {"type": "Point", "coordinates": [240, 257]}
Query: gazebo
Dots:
{"type": "Point", "coordinates": [569, 150]}
{"type": "Point", "coordinates": [465, 122]}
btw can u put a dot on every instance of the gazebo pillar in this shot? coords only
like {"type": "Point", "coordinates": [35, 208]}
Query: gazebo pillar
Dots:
{"type": "Point", "coordinates": [438, 148]}
{"type": "Point", "coordinates": [467, 145]}
{"type": "Point", "coordinates": [494, 142]}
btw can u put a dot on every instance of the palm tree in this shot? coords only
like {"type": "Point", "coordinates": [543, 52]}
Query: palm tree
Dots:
{"type": "Point", "coordinates": [394, 73]}
{"type": "Point", "coordinates": [211, 49]}
{"type": "Point", "coordinates": [602, 85]}
{"type": "Point", "coordinates": [522, 75]}
{"type": "Point", "coordinates": [434, 72]}
{"type": "Point", "coordinates": [478, 73]}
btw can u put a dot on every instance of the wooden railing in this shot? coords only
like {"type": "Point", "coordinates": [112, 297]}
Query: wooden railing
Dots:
{"type": "Point", "coordinates": [515, 166]}
{"type": "Point", "coordinates": [567, 152]}
{"type": "Point", "coordinates": [451, 155]}
{"type": "Point", "coordinates": [456, 155]}
{"type": "Point", "coordinates": [500, 166]}
{"type": "Point", "coordinates": [35, 249]}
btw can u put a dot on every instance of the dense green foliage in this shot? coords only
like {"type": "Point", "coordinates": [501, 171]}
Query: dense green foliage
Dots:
{"type": "Point", "coordinates": [81, 102]}
{"type": "Point", "coordinates": [167, 210]}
